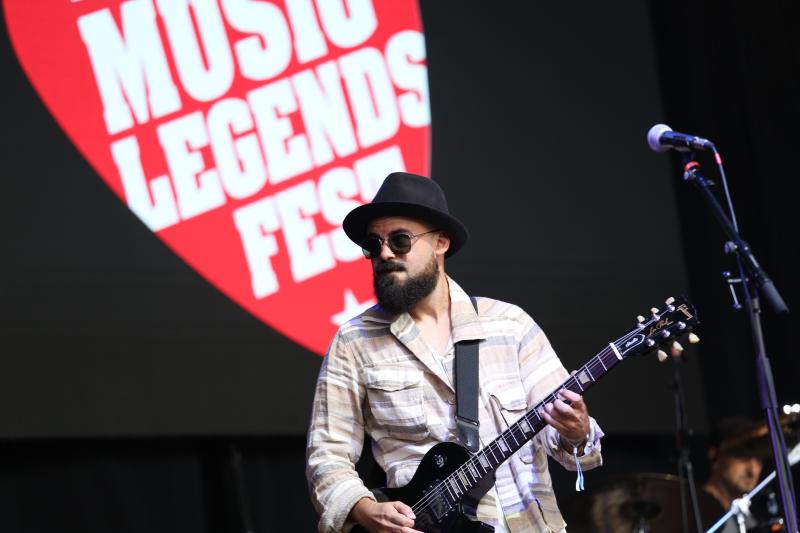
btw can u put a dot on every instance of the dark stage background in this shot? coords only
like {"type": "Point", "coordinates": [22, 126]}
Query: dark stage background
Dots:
{"type": "Point", "coordinates": [129, 385]}
{"type": "Point", "coordinates": [107, 333]}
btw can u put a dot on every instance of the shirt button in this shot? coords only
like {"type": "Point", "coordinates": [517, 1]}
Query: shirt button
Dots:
{"type": "Point", "coordinates": [451, 400]}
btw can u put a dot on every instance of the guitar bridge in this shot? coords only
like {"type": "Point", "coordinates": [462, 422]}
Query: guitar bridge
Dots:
{"type": "Point", "coordinates": [438, 504]}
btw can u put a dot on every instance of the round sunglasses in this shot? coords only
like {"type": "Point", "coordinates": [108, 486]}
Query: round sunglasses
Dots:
{"type": "Point", "coordinates": [399, 243]}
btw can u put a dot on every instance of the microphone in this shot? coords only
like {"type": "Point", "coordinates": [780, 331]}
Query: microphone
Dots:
{"type": "Point", "coordinates": [661, 138]}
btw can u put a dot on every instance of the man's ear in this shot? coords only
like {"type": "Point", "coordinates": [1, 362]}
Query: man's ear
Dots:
{"type": "Point", "coordinates": [442, 243]}
{"type": "Point", "coordinates": [712, 454]}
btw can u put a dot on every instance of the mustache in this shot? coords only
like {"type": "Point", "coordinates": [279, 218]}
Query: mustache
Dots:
{"type": "Point", "coordinates": [385, 267]}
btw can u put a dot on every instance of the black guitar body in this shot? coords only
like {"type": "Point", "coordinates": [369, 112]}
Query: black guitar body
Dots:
{"type": "Point", "coordinates": [436, 513]}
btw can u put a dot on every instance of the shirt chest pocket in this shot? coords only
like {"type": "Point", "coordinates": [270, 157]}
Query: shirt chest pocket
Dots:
{"type": "Point", "coordinates": [509, 404]}
{"type": "Point", "coordinates": [510, 396]}
{"type": "Point", "coordinates": [396, 402]}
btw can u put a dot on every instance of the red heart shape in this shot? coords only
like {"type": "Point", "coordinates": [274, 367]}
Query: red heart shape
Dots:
{"type": "Point", "coordinates": [241, 132]}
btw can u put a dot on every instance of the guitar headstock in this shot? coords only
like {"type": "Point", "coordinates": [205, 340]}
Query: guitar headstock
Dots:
{"type": "Point", "coordinates": [663, 327]}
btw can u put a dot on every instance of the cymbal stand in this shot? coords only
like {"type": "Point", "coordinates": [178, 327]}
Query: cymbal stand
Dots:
{"type": "Point", "coordinates": [642, 526]}
{"type": "Point", "coordinates": [682, 433]}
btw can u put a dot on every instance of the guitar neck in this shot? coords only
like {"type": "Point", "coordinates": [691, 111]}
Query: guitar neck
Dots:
{"type": "Point", "coordinates": [677, 319]}
{"type": "Point", "coordinates": [486, 461]}
{"type": "Point", "coordinates": [524, 429]}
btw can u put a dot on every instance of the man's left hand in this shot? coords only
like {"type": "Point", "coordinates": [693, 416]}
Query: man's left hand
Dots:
{"type": "Point", "coordinates": [570, 420]}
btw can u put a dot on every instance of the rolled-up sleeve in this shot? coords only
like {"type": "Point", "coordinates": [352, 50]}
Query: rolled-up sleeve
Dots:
{"type": "Point", "coordinates": [335, 439]}
{"type": "Point", "coordinates": [542, 373]}
{"type": "Point", "coordinates": [590, 456]}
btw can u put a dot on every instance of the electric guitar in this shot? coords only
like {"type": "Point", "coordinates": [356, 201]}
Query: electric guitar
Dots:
{"type": "Point", "coordinates": [450, 475]}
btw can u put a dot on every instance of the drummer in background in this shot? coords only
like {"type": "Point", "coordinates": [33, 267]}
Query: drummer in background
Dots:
{"type": "Point", "coordinates": [736, 458]}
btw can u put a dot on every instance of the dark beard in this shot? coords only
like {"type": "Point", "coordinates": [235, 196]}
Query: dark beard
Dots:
{"type": "Point", "coordinates": [399, 297]}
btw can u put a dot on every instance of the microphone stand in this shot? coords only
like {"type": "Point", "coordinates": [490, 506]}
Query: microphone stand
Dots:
{"type": "Point", "coordinates": [682, 434]}
{"type": "Point", "coordinates": [750, 271]}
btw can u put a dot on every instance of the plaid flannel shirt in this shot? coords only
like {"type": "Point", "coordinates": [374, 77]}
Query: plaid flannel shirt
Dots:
{"type": "Point", "coordinates": [381, 377]}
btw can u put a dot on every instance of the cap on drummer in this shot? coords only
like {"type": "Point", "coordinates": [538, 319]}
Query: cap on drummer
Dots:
{"type": "Point", "coordinates": [738, 449]}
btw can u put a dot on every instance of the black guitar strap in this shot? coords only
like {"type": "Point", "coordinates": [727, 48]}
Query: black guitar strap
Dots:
{"type": "Point", "coordinates": [466, 370]}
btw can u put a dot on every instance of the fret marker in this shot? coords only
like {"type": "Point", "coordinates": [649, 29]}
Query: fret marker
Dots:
{"type": "Point", "coordinates": [526, 428]}
{"type": "Point", "coordinates": [614, 349]}
{"type": "Point", "coordinates": [483, 461]}
{"type": "Point", "coordinates": [502, 445]}
{"type": "Point", "coordinates": [585, 377]}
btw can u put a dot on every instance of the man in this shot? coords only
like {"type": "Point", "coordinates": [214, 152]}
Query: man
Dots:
{"type": "Point", "coordinates": [735, 460]}
{"type": "Point", "coordinates": [389, 372]}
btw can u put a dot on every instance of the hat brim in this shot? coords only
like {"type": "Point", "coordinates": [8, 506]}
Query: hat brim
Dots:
{"type": "Point", "coordinates": [356, 222]}
{"type": "Point", "coordinates": [755, 441]}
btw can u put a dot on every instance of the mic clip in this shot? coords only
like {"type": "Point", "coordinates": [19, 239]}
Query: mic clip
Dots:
{"type": "Point", "coordinates": [691, 171]}
{"type": "Point", "coordinates": [732, 282]}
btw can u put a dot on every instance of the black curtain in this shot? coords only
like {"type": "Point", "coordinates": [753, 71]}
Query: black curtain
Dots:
{"type": "Point", "coordinates": [187, 485]}
{"type": "Point", "coordinates": [730, 72]}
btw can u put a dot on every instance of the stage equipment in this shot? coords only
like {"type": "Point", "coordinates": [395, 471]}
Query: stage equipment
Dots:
{"type": "Point", "coordinates": [639, 503]}
{"type": "Point", "coordinates": [661, 138]}
{"type": "Point", "coordinates": [753, 279]}
{"type": "Point", "coordinates": [682, 446]}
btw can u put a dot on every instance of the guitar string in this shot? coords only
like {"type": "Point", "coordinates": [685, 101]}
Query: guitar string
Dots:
{"type": "Point", "coordinates": [593, 364]}
{"type": "Point", "coordinates": [427, 501]}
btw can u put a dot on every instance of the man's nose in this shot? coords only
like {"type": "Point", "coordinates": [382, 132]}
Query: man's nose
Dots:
{"type": "Point", "coordinates": [753, 466]}
{"type": "Point", "coordinates": [386, 252]}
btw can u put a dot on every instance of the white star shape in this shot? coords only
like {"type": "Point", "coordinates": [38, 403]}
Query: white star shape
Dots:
{"type": "Point", "coordinates": [352, 307]}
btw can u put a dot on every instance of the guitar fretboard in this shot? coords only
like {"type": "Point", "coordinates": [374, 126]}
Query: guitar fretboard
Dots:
{"type": "Point", "coordinates": [452, 489]}
{"type": "Point", "coordinates": [676, 319]}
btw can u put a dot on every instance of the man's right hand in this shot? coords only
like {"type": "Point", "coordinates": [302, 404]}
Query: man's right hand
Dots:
{"type": "Point", "coordinates": [386, 517]}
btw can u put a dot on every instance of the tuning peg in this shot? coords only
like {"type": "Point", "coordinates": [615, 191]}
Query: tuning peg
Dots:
{"type": "Point", "coordinates": [693, 339]}
{"type": "Point", "coordinates": [654, 310]}
{"type": "Point", "coordinates": [662, 356]}
{"type": "Point", "coordinates": [677, 349]}
{"type": "Point", "coordinates": [669, 301]}
{"type": "Point", "coordinates": [640, 319]}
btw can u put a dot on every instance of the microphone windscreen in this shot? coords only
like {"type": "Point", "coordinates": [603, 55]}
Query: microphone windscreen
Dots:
{"type": "Point", "coordinates": [654, 137]}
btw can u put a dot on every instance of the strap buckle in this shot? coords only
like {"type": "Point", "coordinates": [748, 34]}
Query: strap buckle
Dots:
{"type": "Point", "coordinates": [468, 433]}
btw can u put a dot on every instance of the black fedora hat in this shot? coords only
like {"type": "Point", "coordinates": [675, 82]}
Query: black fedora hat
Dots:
{"type": "Point", "coordinates": [407, 195]}
{"type": "Point", "coordinates": [742, 437]}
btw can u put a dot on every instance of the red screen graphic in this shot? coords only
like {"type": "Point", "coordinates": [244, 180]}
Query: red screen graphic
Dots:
{"type": "Point", "coordinates": [241, 132]}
